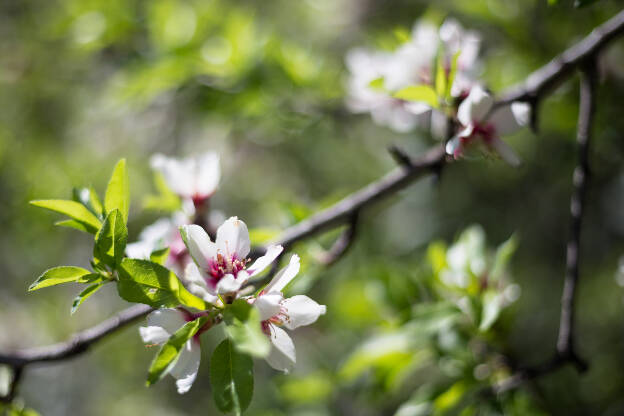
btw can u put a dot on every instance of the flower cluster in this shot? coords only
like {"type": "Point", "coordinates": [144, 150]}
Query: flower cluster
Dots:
{"type": "Point", "coordinates": [430, 82]}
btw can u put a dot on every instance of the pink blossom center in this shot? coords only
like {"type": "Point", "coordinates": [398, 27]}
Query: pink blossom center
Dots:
{"type": "Point", "coordinates": [222, 265]}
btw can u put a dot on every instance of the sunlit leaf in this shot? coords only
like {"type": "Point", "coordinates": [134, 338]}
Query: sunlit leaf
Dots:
{"type": "Point", "coordinates": [110, 241]}
{"type": "Point", "coordinates": [84, 295]}
{"type": "Point", "coordinates": [243, 326]}
{"type": "Point", "coordinates": [72, 209]}
{"type": "Point", "coordinates": [419, 93]}
{"type": "Point", "coordinates": [63, 274]}
{"type": "Point", "coordinates": [117, 192]}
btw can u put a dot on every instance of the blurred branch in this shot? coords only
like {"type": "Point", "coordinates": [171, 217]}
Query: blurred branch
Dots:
{"type": "Point", "coordinates": [565, 342]}
{"type": "Point", "coordinates": [342, 244]}
{"type": "Point", "coordinates": [566, 350]}
{"type": "Point", "coordinates": [342, 211]}
{"type": "Point", "coordinates": [77, 345]}
{"type": "Point", "coordinates": [543, 80]}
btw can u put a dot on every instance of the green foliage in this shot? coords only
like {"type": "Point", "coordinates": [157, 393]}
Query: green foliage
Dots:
{"type": "Point", "coordinates": [143, 281]}
{"type": "Point", "coordinates": [72, 209]}
{"type": "Point", "coordinates": [170, 351]}
{"type": "Point", "coordinates": [118, 192]}
{"type": "Point", "coordinates": [231, 378]}
{"type": "Point", "coordinates": [84, 295]}
{"type": "Point", "coordinates": [419, 93]}
{"type": "Point", "coordinates": [111, 239]}
{"type": "Point", "coordinates": [64, 274]}
{"type": "Point", "coordinates": [160, 256]}
{"type": "Point", "coordinates": [243, 327]}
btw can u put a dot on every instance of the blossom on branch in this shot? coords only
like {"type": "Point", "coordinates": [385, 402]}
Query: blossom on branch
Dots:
{"type": "Point", "coordinates": [195, 178]}
{"type": "Point", "coordinates": [482, 124]}
{"type": "Point", "coordinates": [220, 267]}
{"type": "Point", "coordinates": [277, 311]}
{"type": "Point", "coordinates": [161, 325]}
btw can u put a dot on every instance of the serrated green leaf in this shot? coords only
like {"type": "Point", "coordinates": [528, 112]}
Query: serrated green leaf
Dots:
{"type": "Point", "coordinates": [243, 326]}
{"type": "Point", "coordinates": [231, 378]}
{"type": "Point", "coordinates": [166, 357]}
{"type": "Point", "coordinates": [84, 295]}
{"type": "Point", "coordinates": [418, 93]}
{"type": "Point", "coordinates": [143, 281]}
{"type": "Point", "coordinates": [160, 256]}
{"type": "Point", "coordinates": [118, 192]}
{"type": "Point", "coordinates": [111, 239]}
{"type": "Point", "coordinates": [72, 209]}
{"type": "Point", "coordinates": [63, 274]}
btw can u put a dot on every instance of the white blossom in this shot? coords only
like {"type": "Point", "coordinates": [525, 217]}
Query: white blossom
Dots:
{"type": "Point", "coordinates": [163, 323]}
{"type": "Point", "coordinates": [195, 178]}
{"type": "Point", "coordinates": [276, 312]}
{"type": "Point", "coordinates": [220, 267]}
{"type": "Point", "coordinates": [481, 122]}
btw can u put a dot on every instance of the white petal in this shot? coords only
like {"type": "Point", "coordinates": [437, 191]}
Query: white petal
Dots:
{"type": "Point", "coordinates": [177, 173]}
{"type": "Point", "coordinates": [229, 283]}
{"type": "Point", "coordinates": [262, 262]}
{"type": "Point", "coordinates": [208, 174]}
{"type": "Point", "coordinates": [506, 152]}
{"type": "Point", "coordinates": [282, 356]}
{"type": "Point", "coordinates": [475, 107]}
{"type": "Point", "coordinates": [453, 146]}
{"type": "Point", "coordinates": [199, 245]}
{"type": "Point", "coordinates": [301, 311]}
{"type": "Point", "coordinates": [195, 283]}
{"type": "Point", "coordinates": [139, 250]}
{"type": "Point", "coordinates": [268, 305]}
{"type": "Point", "coordinates": [233, 238]}
{"type": "Point", "coordinates": [168, 320]}
{"type": "Point", "coordinates": [509, 118]}
{"type": "Point", "coordinates": [153, 334]}
{"type": "Point", "coordinates": [284, 276]}
{"type": "Point", "coordinates": [185, 368]}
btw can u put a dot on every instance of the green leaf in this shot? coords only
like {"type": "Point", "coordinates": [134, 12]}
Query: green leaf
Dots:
{"type": "Point", "coordinates": [418, 93]}
{"type": "Point", "coordinates": [78, 300]}
{"type": "Point", "coordinates": [72, 209]}
{"type": "Point", "coordinates": [110, 241]}
{"type": "Point", "coordinates": [166, 200]}
{"type": "Point", "coordinates": [166, 357]}
{"type": "Point", "coordinates": [504, 252]}
{"type": "Point", "coordinates": [160, 256]}
{"type": "Point", "coordinates": [64, 274]}
{"type": "Point", "coordinates": [377, 84]}
{"type": "Point", "coordinates": [143, 281]}
{"type": "Point", "coordinates": [73, 224]}
{"type": "Point", "coordinates": [244, 327]}
{"type": "Point", "coordinates": [452, 74]}
{"type": "Point", "coordinates": [231, 377]}
{"type": "Point", "coordinates": [440, 77]}
{"type": "Point", "coordinates": [117, 192]}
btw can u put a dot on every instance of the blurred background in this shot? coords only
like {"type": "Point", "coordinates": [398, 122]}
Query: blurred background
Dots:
{"type": "Point", "coordinates": [84, 83]}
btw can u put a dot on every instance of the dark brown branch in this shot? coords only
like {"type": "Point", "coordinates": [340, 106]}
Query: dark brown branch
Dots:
{"type": "Point", "coordinates": [540, 82]}
{"type": "Point", "coordinates": [565, 342]}
{"type": "Point", "coordinates": [342, 211]}
{"type": "Point", "coordinates": [342, 244]}
{"type": "Point", "coordinates": [79, 343]}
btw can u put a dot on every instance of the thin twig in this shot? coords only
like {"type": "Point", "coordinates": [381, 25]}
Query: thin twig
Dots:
{"type": "Point", "coordinates": [342, 243]}
{"type": "Point", "coordinates": [543, 80]}
{"type": "Point", "coordinates": [565, 341]}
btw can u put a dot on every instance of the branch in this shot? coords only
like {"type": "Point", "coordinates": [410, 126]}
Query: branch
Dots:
{"type": "Point", "coordinates": [552, 74]}
{"type": "Point", "coordinates": [342, 244]}
{"type": "Point", "coordinates": [342, 211]}
{"type": "Point", "coordinates": [565, 342]}
{"type": "Point", "coordinates": [78, 344]}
